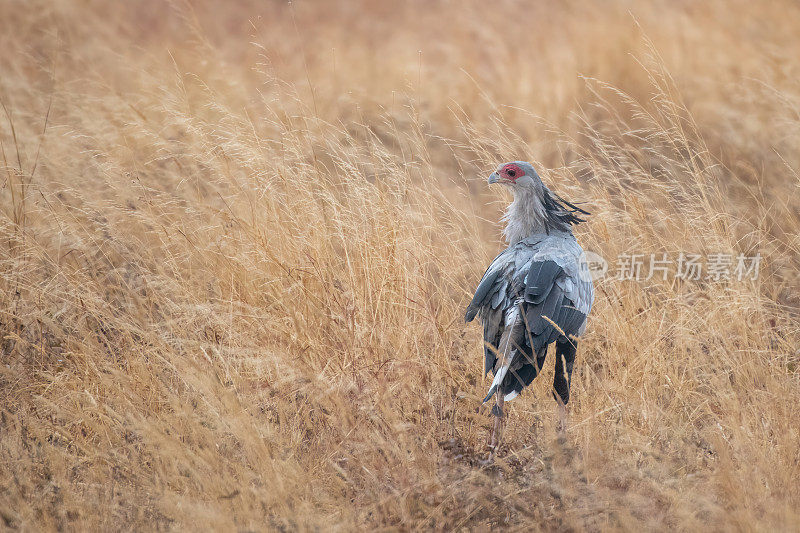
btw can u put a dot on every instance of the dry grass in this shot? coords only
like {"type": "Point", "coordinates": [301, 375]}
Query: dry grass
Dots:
{"type": "Point", "coordinates": [237, 241]}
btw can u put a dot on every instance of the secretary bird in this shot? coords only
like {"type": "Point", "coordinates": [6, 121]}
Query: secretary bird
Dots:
{"type": "Point", "coordinates": [537, 291]}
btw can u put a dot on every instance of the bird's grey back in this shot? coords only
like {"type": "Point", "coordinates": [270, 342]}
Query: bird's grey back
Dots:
{"type": "Point", "coordinates": [508, 273]}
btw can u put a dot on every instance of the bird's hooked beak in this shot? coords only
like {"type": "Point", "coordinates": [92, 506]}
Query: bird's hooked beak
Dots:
{"type": "Point", "coordinates": [497, 178]}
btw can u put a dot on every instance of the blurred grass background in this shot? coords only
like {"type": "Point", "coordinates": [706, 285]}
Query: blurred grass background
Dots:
{"type": "Point", "coordinates": [237, 241]}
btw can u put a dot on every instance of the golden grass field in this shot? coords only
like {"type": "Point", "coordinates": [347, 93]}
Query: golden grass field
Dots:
{"type": "Point", "coordinates": [237, 240]}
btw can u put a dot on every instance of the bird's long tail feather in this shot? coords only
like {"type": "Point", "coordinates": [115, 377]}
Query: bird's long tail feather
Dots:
{"type": "Point", "coordinates": [498, 379]}
{"type": "Point", "coordinates": [507, 352]}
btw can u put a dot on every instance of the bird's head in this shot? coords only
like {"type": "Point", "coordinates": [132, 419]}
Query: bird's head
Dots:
{"type": "Point", "coordinates": [517, 175]}
{"type": "Point", "coordinates": [535, 207]}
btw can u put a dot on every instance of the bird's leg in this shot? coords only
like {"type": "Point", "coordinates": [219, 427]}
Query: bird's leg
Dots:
{"type": "Point", "coordinates": [507, 353]}
{"type": "Point", "coordinates": [563, 417]}
{"type": "Point", "coordinates": [565, 359]}
{"type": "Point", "coordinates": [497, 426]}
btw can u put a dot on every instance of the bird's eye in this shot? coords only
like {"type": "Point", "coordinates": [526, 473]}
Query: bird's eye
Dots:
{"type": "Point", "coordinates": [511, 173]}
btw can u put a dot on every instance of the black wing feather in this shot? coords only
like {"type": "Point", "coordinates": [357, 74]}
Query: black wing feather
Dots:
{"type": "Point", "coordinates": [541, 278]}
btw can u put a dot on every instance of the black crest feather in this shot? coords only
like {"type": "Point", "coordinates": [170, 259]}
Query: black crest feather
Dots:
{"type": "Point", "coordinates": [561, 213]}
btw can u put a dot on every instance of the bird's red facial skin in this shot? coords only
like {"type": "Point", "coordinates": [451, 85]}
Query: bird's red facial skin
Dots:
{"type": "Point", "coordinates": [511, 172]}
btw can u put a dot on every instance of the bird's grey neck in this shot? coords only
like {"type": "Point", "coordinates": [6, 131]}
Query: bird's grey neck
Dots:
{"type": "Point", "coordinates": [525, 216]}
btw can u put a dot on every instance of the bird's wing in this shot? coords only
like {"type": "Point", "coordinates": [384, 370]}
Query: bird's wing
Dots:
{"type": "Point", "coordinates": [501, 285]}
{"type": "Point", "coordinates": [558, 291]}
{"type": "Point", "coordinates": [553, 304]}
{"type": "Point", "coordinates": [489, 286]}
{"type": "Point", "coordinates": [510, 265]}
